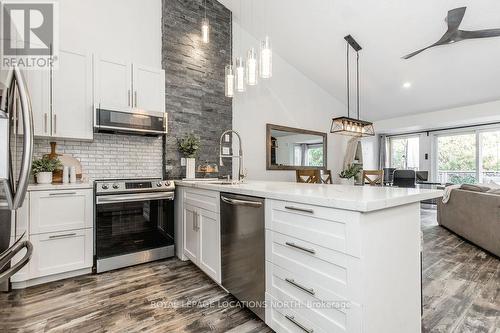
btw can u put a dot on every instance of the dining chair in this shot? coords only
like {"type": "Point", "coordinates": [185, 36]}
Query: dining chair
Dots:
{"type": "Point", "coordinates": [308, 176]}
{"type": "Point", "coordinates": [404, 178]}
{"type": "Point", "coordinates": [325, 177]}
{"type": "Point", "coordinates": [373, 177]}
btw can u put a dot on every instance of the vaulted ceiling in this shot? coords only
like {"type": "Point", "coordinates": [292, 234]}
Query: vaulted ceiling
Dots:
{"type": "Point", "coordinates": [309, 35]}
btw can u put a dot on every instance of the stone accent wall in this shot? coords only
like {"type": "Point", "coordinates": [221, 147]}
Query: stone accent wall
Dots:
{"type": "Point", "coordinates": [111, 156]}
{"type": "Point", "coordinates": [194, 74]}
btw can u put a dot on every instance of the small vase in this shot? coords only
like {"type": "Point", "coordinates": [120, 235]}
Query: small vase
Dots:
{"type": "Point", "coordinates": [346, 181]}
{"type": "Point", "coordinates": [44, 178]}
{"type": "Point", "coordinates": [190, 168]}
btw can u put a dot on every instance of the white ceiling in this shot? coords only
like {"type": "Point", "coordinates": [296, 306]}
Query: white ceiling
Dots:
{"type": "Point", "coordinates": [309, 35]}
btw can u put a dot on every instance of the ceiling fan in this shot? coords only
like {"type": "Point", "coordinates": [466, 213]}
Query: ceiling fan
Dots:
{"type": "Point", "coordinates": [453, 34]}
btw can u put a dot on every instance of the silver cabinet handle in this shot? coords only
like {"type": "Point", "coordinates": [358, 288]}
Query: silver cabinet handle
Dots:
{"type": "Point", "coordinates": [61, 193]}
{"type": "Point", "coordinates": [305, 249]}
{"type": "Point", "coordinates": [128, 98]}
{"type": "Point", "coordinates": [45, 121]}
{"type": "Point", "coordinates": [237, 202]}
{"type": "Point", "coordinates": [303, 210]}
{"type": "Point", "coordinates": [195, 217]}
{"type": "Point", "coordinates": [63, 235]}
{"type": "Point", "coordinates": [301, 287]}
{"type": "Point", "coordinates": [299, 325]}
{"type": "Point", "coordinates": [54, 125]}
{"type": "Point", "coordinates": [135, 98]}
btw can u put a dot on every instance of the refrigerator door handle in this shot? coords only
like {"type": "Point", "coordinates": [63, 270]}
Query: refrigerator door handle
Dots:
{"type": "Point", "coordinates": [25, 104]}
{"type": "Point", "coordinates": [10, 253]}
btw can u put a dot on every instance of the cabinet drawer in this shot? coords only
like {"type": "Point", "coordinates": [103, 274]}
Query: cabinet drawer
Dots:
{"type": "Point", "coordinates": [331, 228]}
{"type": "Point", "coordinates": [284, 319]}
{"type": "Point", "coordinates": [61, 252]}
{"type": "Point", "coordinates": [324, 305]}
{"type": "Point", "coordinates": [335, 271]}
{"type": "Point", "coordinates": [60, 210]}
{"type": "Point", "coordinates": [205, 199]}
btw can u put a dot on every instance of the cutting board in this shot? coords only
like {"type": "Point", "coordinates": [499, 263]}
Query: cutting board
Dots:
{"type": "Point", "coordinates": [66, 160]}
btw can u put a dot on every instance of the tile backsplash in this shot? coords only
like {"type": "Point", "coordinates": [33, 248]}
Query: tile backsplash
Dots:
{"type": "Point", "coordinates": [111, 156]}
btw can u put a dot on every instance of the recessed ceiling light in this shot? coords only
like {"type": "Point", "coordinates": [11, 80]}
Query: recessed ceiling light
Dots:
{"type": "Point", "coordinates": [407, 85]}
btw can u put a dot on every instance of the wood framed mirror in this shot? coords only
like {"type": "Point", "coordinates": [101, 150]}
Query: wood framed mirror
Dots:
{"type": "Point", "coordinates": [289, 148]}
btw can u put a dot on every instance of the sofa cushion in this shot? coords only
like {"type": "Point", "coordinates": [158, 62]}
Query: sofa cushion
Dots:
{"type": "Point", "coordinates": [474, 188]}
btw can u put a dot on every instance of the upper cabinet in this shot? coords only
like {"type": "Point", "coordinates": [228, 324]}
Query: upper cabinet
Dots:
{"type": "Point", "coordinates": [61, 98]}
{"type": "Point", "coordinates": [72, 96]}
{"type": "Point", "coordinates": [149, 88]}
{"type": "Point", "coordinates": [113, 84]}
{"type": "Point", "coordinates": [124, 86]}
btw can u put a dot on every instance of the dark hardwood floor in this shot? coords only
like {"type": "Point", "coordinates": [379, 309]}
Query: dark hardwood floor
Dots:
{"type": "Point", "coordinates": [461, 294]}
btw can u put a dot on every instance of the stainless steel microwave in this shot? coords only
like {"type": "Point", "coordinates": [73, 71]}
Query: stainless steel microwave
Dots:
{"type": "Point", "coordinates": [137, 122]}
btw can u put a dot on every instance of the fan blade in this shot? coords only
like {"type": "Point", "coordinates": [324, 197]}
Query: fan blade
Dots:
{"type": "Point", "coordinates": [455, 17]}
{"type": "Point", "coordinates": [480, 33]}
{"type": "Point", "coordinates": [408, 56]}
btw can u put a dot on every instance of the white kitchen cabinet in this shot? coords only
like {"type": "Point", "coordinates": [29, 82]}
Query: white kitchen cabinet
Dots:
{"type": "Point", "coordinates": [113, 84]}
{"type": "Point", "coordinates": [60, 210]}
{"type": "Point", "coordinates": [209, 258]}
{"type": "Point", "coordinates": [191, 239]}
{"type": "Point", "coordinates": [38, 84]}
{"type": "Point", "coordinates": [149, 88]}
{"type": "Point", "coordinates": [72, 104]}
{"type": "Point", "coordinates": [201, 231]}
{"type": "Point", "coordinates": [61, 252]}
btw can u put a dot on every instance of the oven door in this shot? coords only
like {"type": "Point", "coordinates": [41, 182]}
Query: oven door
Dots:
{"type": "Point", "coordinates": [129, 223]}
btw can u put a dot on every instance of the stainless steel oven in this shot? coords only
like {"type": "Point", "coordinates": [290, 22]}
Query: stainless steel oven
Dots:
{"type": "Point", "coordinates": [136, 122]}
{"type": "Point", "coordinates": [134, 222]}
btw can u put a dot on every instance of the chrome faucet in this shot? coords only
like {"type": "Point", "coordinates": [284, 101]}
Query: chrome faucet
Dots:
{"type": "Point", "coordinates": [239, 156]}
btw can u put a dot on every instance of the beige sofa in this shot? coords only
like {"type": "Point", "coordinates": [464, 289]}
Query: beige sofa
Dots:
{"type": "Point", "coordinates": [473, 215]}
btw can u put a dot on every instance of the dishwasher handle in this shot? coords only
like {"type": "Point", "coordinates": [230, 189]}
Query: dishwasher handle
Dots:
{"type": "Point", "coordinates": [238, 202]}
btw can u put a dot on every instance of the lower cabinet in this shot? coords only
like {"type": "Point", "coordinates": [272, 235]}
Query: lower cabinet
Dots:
{"type": "Point", "coordinates": [201, 239]}
{"type": "Point", "coordinates": [61, 252]}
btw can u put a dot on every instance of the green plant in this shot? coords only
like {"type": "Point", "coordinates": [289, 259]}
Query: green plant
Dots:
{"type": "Point", "coordinates": [45, 164]}
{"type": "Point", "coordinates": [351, 171]}
{"type": "Point", "coordinates": [189, 145]}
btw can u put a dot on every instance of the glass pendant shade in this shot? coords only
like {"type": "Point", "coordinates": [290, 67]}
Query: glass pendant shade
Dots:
{"type": "Point", "coordinates": [352, 127]}
{"type": "Point", "coordinates": [205, 30]}
{"type": "Point", "coordinates": [251, 69]}
{"type": "Point", "coordinates": [229, 91]}
{"type": "Point", "coordinates": [240, 75]}
{"type": "Point", "coordinates": [266, 59]}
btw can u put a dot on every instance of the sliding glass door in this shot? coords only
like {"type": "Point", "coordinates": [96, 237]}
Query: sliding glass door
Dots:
{"type": "Point", "coordinates": [468, 157]}
{"type": "Point", "coordinates": [404, 152]}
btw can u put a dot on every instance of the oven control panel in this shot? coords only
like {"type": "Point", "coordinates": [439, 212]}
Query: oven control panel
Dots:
{"type": "Point", "coordinates": [132, 186]}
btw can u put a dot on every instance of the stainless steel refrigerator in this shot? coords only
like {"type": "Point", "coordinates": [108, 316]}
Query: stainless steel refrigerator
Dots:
{"type": "Point", "coordinates": [16, 152]}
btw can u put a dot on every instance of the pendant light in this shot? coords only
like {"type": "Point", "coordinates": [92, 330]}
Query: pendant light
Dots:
{"type": "Point", "coordinates": [240, 75]}
{"type": "Point", "coordinates": [251, 68]}
{"type": "Point", "coordinates": [205, 26]}
{"type": "Point", "coordinates": [229, 71]}
{"type": "Point", "coordinates": [266, 59]}
{"type": "Point", "coordinates": [347, 125]}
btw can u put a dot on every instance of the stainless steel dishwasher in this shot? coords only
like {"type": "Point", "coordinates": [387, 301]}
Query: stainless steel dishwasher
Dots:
{"type": "Point", "coordinates": [243, 245]}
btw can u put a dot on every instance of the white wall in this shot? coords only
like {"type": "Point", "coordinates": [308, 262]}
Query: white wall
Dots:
{"type": "Point", "coordinates": [125, 29]}
{"type": "Point", "coordinates": [289, 98]}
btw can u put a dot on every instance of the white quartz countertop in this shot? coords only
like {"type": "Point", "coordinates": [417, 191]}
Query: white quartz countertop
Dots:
{"type": "Point", "coordinates": [52, 187]}
{"type": "Point", "coordinates": [355, 198]}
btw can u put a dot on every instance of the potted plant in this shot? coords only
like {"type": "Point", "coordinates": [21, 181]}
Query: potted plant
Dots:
{"type": "Point", "coordinates": [43, 168]}
{"type": "Point", "coordinates": [189, 146]}
{"type": "Point", "coordinates": [348, 174]}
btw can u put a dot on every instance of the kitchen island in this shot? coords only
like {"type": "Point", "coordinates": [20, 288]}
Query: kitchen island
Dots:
{"type": "Point", "coordinates": [338, 258]}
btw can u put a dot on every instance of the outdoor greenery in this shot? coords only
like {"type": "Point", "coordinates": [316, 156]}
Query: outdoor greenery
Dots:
{"type": "Point", "coordinates": [315, 157]}
{"type": "Point", "coordinates": [351, 171]}
{"type": "Point", "coordinates": [189, 145]}
{"type": "Point", "coordinates": [45, 164]}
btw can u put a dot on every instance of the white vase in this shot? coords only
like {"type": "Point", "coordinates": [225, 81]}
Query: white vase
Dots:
{"type": "Point", "coordinates": [190, 168]}
{"type": "Point", "coordinates": [44, 178]}
{"type": "Point", "coordinates": [345, 181]}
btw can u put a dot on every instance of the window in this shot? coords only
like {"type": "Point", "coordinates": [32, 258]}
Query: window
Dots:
{"type": "Point", "coordinates": [468, 157]}
{"type": "Point", "coordinates": [456, 158]}
{"type": "Point", "coordinates": [404, 152]}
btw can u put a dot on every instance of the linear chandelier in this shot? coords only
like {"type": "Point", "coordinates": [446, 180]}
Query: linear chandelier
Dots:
{"type": "Point", "coordinates": [347, 125]}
